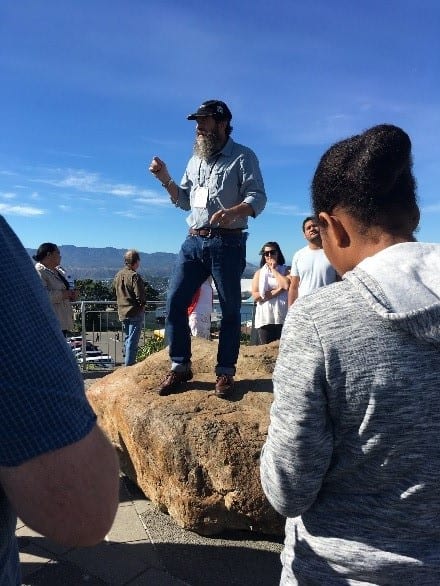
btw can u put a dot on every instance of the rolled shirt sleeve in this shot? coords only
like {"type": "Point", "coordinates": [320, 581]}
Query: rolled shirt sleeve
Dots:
{"type": "Point", "coordinates": [252, 188]}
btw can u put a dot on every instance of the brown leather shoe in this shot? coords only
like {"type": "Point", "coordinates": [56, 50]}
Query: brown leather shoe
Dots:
{"type": "Point", "coordinates": [224, 386]}
{"type": "Point", "coordinates": [172, 381]}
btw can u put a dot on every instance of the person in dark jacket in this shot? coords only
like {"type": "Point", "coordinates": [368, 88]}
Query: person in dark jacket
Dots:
{"type": "Point", "coordinates": [131, 298]}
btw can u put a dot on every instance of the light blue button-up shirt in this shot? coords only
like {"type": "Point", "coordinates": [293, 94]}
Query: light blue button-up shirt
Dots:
{"type": "Point", "coordinates": [231, 176]}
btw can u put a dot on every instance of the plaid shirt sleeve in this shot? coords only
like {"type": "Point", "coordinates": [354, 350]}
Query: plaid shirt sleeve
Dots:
{"type": "Point", "coordinates": [43, 406]}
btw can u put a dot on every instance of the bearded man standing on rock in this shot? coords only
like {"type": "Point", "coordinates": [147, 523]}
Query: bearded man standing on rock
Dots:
{"type": "Point", "coordinates": [222, 186]}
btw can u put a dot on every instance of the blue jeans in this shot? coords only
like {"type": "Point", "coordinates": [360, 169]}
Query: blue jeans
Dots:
{"type": "Point", "coordinates": [223, 257]}
{"type": "Point", "coordinates": [132, 331]}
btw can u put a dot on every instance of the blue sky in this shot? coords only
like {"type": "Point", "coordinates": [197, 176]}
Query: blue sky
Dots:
{"type": "Point", "coordinates": [91, 90]}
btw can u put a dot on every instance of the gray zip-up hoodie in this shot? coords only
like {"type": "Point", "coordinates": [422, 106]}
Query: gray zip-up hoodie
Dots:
{"type": "Point", "coordinates": [352, 456]}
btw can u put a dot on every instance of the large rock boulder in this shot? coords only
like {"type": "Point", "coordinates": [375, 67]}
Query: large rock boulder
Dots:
{"type": "Point", "coordinates": [193, 454]}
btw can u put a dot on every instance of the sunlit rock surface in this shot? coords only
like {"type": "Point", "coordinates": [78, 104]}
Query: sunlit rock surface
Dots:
{"type": "Point", "coordinates": [193, 454]}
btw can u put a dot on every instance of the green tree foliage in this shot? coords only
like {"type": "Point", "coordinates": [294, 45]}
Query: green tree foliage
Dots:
{"type": "Point", "coordinates": [151, 346]}
{"type": "Point", "coordinates": [90, 290]}
{"type": "Point", "coordinates": [152, 295]}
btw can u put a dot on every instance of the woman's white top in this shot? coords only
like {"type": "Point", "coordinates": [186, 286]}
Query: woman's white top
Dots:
{"type": "Point", "coordinates": [274, 310]}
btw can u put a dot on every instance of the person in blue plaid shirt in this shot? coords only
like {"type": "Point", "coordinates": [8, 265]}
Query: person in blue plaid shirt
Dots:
{"type": "Point", "coordinates": [58, 472]}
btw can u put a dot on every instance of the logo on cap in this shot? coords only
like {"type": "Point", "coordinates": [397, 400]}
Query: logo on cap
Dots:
{"type": "Point", "coordinates": [215, 108]}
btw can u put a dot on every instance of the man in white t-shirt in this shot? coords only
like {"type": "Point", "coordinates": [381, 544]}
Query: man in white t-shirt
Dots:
{"type": "Point", "coordinates": [310, 267]}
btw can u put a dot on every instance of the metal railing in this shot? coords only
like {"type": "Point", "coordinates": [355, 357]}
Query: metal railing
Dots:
{"type": "Point", "coordinates": [97, 323]}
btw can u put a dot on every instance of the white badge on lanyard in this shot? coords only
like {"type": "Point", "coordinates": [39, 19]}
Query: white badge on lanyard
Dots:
{"type": "Point", "coordinates": [200, 197]}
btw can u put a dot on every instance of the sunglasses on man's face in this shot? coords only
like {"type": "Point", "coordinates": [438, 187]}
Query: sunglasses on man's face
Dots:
{"type": "Point", "coordinates": [270, 252]}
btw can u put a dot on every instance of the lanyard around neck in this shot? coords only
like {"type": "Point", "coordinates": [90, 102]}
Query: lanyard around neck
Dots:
{"type": "Point", "coordinates": [207, 177]}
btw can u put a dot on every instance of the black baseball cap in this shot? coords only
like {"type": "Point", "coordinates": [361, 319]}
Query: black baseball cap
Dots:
{"type": "Point", "coordinates": [215, 108]}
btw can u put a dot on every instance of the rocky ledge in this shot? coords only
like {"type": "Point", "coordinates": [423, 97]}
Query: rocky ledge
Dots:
{"type": "Point", "coordinates": [196, 456]}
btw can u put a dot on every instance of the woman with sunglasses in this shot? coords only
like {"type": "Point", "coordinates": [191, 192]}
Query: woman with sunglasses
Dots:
{"type": "Point", "coordinates": [270, 285]}
{"type": "Point", "coordinates": [352, 457]}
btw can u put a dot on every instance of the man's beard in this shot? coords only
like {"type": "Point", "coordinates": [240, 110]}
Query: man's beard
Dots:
{"type": "Point", "coordinates": [207, 144]}
{"type": "Point", "coordinates": [316, 240]}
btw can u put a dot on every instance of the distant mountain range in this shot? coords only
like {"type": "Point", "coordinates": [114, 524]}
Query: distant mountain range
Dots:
{"type": "Point", "coordinates": [103, 263]}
